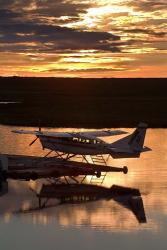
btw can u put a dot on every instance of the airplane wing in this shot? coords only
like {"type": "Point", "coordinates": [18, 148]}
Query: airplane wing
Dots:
{"type": "Point", "coordinates": [131, 199]}
{"type": "Point", "coordinates": [25, 132]}
{"type": "Point", "coordinates": [135, 205]}
{"type": "Point", "coordinates": [44, 133]}
{"type": "Point", "coordinates": [102, 133]}
{"type": "Point", "coordinates": [86, 134]}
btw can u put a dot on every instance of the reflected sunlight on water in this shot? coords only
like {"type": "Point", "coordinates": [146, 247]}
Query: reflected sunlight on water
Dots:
{"type": "Point", "coordinates": [149, 174]}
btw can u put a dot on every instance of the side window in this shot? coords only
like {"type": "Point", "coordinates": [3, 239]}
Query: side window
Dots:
{"type": "Point", "coordinates": [75, 139]}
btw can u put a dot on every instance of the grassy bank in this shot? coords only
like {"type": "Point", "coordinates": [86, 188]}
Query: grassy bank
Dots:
{"type": "Point", "coordinates": [91, 103]}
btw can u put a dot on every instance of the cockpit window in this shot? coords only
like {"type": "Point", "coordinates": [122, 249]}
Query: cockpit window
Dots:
{"type": "Point", "coordinates": [86, 141]}
{"type": "Point", "coordinates": [75, 139]}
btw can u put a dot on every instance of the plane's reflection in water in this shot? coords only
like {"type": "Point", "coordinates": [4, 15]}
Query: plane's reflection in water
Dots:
{"type": "Point", "coordinates": [115, 213]}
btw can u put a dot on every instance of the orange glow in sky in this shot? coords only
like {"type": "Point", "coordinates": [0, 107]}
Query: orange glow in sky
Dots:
{"type": "Point", "coordinates": [101, 38]}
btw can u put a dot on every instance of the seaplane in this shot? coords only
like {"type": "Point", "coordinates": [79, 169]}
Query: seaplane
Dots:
{"type": "Point", "coordinates": [90, 142]}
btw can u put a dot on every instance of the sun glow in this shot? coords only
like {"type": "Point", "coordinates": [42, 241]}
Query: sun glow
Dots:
{"type": "Point", "coordinates": [94, 16]}
{"type": "Point", "coordinates": [43, 43]}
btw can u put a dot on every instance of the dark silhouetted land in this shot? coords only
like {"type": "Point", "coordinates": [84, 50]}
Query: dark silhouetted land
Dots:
{"type": "Point", "coordinates": [91, 103]}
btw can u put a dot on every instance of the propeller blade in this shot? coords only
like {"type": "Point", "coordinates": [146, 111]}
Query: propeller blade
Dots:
{"type": "Point", "coordinates": [33, 141]}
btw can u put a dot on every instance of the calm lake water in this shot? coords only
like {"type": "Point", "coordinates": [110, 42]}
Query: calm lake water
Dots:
{"type": "Point", "coordinates": [94, 225]}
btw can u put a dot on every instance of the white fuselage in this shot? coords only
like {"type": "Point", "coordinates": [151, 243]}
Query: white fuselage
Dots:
{"type": "Point", "coordinates": [75, 145]}
{"type": "Point", "coordinates": [79, 146]}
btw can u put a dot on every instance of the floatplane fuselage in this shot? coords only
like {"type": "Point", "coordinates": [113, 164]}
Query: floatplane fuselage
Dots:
{"type": "Point", "coordinates": [89, 143]}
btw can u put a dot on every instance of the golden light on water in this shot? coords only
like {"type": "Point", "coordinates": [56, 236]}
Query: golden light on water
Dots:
{"type": "Point", "coordinates": [142, 174]}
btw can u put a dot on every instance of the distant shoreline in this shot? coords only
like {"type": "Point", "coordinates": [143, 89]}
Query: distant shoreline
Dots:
{"type": "Point", "coordinates": [83, 102]}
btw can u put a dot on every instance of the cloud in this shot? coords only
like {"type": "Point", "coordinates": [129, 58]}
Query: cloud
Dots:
{"type": "Point", "coordinates": [145, 31]}
{"type": "Point", "coordinates": [8, 17]}
{"type": "Point", "coordinates": [148, 5]}
{"type": "Point", "coordinates": [46, 8]}
{"type": "Point", "coordinates": [19, 30]}
{"type": "Point", "coordinates": [48, 37]}
{"type": "Point", "coordinates": [37, 30]}
{"type": "Point", "coordinates": [88, 70]}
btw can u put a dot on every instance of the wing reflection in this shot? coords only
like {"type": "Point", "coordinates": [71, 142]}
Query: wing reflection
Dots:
{"type": "Point", "coordinates": [134, 204]}
{"type": "Point", "coordinates": [128, 197]}
{"type": "Point", "coordinates": [77, 196]}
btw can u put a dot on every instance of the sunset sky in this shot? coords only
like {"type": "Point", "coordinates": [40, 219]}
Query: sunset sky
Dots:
{"type": "Point", "coordinates": [83, 38]}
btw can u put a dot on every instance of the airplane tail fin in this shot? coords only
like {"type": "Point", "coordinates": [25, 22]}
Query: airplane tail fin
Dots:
{"type": "Point", "coordinates": [133, 142]}
{"type": "Point", "coordinates": [136, 141]}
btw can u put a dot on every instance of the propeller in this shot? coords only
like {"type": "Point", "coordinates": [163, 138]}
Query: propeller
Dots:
{"type": "Point", "coordinates": [39, 129]}
{"type": "Point", "coordinates": [33, 141]}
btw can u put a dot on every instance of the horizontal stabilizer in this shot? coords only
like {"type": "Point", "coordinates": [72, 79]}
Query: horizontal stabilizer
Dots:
{"type": "Point", "coordinates": [146, 149]}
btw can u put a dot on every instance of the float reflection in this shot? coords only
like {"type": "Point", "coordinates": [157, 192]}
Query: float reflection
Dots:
{"type": "Point", "coordinates": [148, 174]}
